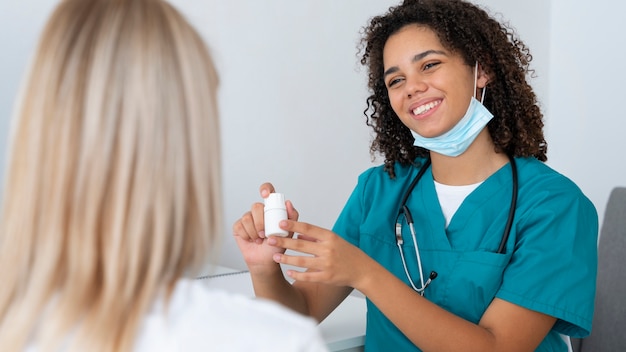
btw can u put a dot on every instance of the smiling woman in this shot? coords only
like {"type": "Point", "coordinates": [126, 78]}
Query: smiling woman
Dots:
{"type": "Point", "coordinates": [462, 194]}
{"type": "Point", "coordinates": [430, 90]}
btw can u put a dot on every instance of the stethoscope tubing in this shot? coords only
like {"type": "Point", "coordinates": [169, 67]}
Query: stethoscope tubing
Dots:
{"type": "Point", "coordinates": [409, 219]}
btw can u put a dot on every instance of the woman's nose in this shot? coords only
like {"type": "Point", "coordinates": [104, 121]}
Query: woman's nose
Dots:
{"type": "Point", "coordinates": [415, 85]}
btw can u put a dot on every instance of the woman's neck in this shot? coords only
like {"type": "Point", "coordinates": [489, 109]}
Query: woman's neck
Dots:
{"type": "Point", "coordinates": [476, 164]}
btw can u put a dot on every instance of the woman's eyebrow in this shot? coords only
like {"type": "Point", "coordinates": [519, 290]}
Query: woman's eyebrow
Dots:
{"type": "Point", "coordinates": [415, 58]}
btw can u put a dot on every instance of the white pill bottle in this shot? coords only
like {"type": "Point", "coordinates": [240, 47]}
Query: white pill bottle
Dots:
{"type": "Point", "coordinates": [275, 212]}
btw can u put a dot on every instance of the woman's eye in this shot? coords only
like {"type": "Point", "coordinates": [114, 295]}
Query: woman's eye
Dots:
{"type": "Point", "coordinates": [393, 82]}
{"type": "Point", "coordinates": [430, 65]}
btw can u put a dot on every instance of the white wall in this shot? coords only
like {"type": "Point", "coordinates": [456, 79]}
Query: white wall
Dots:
{"type": "Point", "coordinates": [587, 122]}
{"type": "Point", "coordinates": [292, 98]}
{"type": "Point", "coordinates": [292, 93]}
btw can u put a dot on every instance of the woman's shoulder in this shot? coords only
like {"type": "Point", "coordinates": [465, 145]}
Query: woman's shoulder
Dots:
{"type": "Point", "coordinates": [544, 185]}
{"type": "Point", "coordinates": [197, 316]}
{"type": "Point", "coordinates": [536, 174]}
{"type": "Point", "coordinates": [196, 298]}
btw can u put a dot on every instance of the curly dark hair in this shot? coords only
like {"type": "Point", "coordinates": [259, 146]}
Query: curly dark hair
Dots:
{"type": "Point", "coordinates": [469, 31]}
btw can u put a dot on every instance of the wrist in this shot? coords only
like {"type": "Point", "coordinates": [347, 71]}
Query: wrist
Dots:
{"type": "Point", "coordinates": [264, 270]}
{"type": "Point", "coordinates": [369, 279]}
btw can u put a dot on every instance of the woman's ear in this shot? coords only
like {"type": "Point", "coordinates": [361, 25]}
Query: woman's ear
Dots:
{"type": "Point", "coordinates": [482, 78]}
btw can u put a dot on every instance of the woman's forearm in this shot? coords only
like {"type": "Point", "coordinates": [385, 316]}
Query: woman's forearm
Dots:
{"type": "Point", "coordinates": [272, 285]}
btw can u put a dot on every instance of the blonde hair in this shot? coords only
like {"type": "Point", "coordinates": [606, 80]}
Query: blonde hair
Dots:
{"type": "Point", "coordinates": [113, 185]}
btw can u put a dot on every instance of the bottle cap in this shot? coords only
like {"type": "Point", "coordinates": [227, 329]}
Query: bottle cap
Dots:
{"type": "Point", "coordinates": [275, 200]}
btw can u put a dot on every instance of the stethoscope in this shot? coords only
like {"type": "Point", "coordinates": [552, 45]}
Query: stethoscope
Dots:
{"type": "Point", "coordinates": [409, 219]}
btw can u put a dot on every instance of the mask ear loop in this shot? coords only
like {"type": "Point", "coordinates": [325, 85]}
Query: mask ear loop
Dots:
{"type": "Point", "coordinates": [482, 95]}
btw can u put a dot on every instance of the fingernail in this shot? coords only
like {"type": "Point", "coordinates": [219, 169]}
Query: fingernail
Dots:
{"type": "Point", "coordinates": [261, 234]}
{"type": "Point", "coordinates": [271, 240]}
{"type": "Point", "coordinates": [276, 257]}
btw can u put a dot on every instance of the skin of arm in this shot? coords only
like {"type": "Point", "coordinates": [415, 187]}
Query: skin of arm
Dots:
{"type": "Point", "coordinates": [314, 299]}
{"type": "Point", "coordinates": [317, 300]}
{"type": "Point", "coordinates": [335, 262]}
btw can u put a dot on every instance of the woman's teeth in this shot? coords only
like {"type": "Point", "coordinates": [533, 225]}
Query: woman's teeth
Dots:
{"type": "Point", "coordinates": [424, 108]}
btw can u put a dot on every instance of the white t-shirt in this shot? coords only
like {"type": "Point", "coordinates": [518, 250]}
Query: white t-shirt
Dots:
{"type": "Point", "coordinates": [451, 197]}
{"type": "Point", "coordinates": [204, 319]}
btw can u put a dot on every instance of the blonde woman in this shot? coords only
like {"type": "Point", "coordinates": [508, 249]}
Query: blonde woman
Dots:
{"type": "Point", "coordinates": [113, 194]}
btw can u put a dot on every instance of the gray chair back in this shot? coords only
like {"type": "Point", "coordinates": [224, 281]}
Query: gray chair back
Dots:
{"type": "Point", "coordinates": [609, 321]}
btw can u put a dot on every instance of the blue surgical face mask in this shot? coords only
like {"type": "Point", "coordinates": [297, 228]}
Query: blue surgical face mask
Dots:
{"type": "Point", "coordinates": [456, 141]}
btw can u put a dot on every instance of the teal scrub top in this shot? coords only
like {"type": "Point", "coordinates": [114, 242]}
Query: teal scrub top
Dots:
{"type": "Point", "coordinates": [549, 265]}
